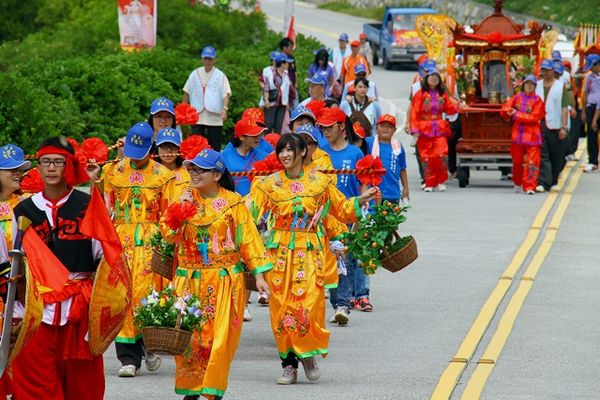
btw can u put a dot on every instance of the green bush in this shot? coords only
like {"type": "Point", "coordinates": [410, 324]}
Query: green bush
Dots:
{"type": "Point", "coordinates": [72, 78]}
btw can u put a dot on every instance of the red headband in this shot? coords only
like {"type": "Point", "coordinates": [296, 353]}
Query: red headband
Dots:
{"type": "Point", "coordinates": [74, 168]}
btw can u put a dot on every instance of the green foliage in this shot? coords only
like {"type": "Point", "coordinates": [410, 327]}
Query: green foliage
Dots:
{"type": "Point", "coordinates": [376, 235]}
{"type": "Point", "coordinates": [162, 309]}
{"type": "Point", "coordinates": [72, 78]}
{"type": "Point", "coordinates": [159, 244]}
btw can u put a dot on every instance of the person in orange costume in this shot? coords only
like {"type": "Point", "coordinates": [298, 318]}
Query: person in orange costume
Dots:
{"type": "Point", "coordinates": [427, 111]}
{"type": "Point", "coordinates": [526, 110]}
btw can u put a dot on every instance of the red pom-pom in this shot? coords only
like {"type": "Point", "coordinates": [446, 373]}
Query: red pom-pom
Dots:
{"type": "Point", "coordinates": [176, 213]}
{"type": "Point", "coordinates": [73, 143]}
{"type": "Point", "coordinates": [32, 181]}
{"type": "Point", "coordinates": [272, 138]}
{"type": "Point", "coordinates": [193, 145]}
{"type": "Point", "coordinates": [376, 168]}
{"type": "Point", "coordinates": [94, 148]}
{"type": "Point", "coordinates": [269, 164]}
{"type": "Point", "coordinates": [316, 107]}
{"type": "Point", "coordinates": [185, 114]}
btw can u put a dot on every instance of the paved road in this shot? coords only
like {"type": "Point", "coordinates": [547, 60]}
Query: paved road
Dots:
{"type": "Point", "coordinates": [467, 238]}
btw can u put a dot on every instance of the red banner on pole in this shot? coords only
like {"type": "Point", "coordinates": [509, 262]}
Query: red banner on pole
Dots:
{"type": "Point", "coordinates": [137, 23]}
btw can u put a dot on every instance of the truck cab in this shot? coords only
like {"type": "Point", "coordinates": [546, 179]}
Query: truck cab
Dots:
{"type": "Point", "coordinates": [395, 40]}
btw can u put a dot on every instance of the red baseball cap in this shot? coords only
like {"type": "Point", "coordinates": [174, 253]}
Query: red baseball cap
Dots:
{"type": "Point", "coordinates": [248, 127]}
{"type": "Point", "coordinates": [255, 114]}
{"type": "Point", "coordinates": [355, 43]}
{"type": "Point", "coordinates": [389, 118]}
{"type": "Point", "coordinates": [362, 36]}
{"type": "Point", "coordinates": [330, 116]}
{"type": "Point", "coordinates": [359, 130]}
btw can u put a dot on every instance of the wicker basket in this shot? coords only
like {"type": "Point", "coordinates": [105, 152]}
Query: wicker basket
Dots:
{"type": "Point", "coordinates": [250, 281]}
{"type": "Point", "coordinates": [401, 258]}
{"type": "Point", "coordinates": [162, 264]}
{"type": "Point", "coordinates": [167, 341]}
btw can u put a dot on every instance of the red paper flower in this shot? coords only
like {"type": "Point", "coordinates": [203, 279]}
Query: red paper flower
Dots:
{"type": "Point", "coordinates": [94, 148]}
{"type": "Point", "coordinates": [272, 138]}
{"type": "Point", "coordinates": [316, 107]}
{"type": "Point", "coordinates": [269, 164]}
{"type": "Point", "coordinates": [185, 114]}
{"type": "Point", "coordinates": [32, 181]}
{"type": "Point", "coordinates": [376, 168]}
{"type": "Point", "coordinates": [193, 145]}
{"type": "Point", "coordinates": [176, 213]}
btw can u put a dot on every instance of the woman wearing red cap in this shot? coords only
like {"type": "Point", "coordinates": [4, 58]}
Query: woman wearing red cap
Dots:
{"type": "Point", "coordinates": [214, 241]}
{"type": "Point", "coordinates": [297, 200]}
{"type": "Point", "coordinates": [427, 120]}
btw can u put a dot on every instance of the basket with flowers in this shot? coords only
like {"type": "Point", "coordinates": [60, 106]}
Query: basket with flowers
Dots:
{"type": "Point", "coordinates": [167, 320]}
{"type": "Point", "coordinates": [162, 256]}
{"type": "Point", "coordinates": [523, 67]}
{"type": "Point", "coordinates": [375, 241]}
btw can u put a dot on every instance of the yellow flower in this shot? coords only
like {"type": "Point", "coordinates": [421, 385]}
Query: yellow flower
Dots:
{"type": "Point", "coordinates": [162, 302]}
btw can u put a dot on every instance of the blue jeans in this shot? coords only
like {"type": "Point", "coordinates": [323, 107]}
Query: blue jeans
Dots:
{"type": "Point", "coordinates": [362, 283]}
{"type": "Point", "coordinates": [354, 284]}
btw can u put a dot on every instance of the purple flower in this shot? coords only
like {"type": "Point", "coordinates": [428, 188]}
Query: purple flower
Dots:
{"type": "Point", "coordinates": [198, 313]}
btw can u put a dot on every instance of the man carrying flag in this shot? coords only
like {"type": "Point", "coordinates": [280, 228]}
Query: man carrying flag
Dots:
{"type": "Point", "coordinates": [57, 363]}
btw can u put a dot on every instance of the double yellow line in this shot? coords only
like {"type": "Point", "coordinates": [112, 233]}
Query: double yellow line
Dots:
{"type": "Point", "coordinates": [449, 378]}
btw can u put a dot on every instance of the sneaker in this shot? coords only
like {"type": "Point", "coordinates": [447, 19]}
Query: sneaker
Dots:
{"type": "Point", "coordinates": [288, 376]}
{"type": "Point", "coordinates": [441, 187]}
{"type": "Point", "coordinates": [127, 371]}
{"type": "Point", "coordinates": [364, 305]}
{"type": "Point", "coordinates": [352, 303]}
{"type": "Point", "coordinates": [341, 315]}
{"type": "Point", "coordinates": [428, 189]}
{"type": "Point", "coordinates": [247, 315]}
{"type": "Point", "coordinates": [311, 369]}
{"type": "Point", "coordinates": [590, 168]}
{"type": "Point", "coordinates": [531, 191]}
{"type": "Point", "coordinates": [540, 189]}
{"type": "Point", "coordinates": [263, 300]}
{"type": "Point", "coordinates": [332, 319]}
{"type": "Point", "coordinates": [518, 189]}
{"type": "Point", "coordinates": [555, 188]}
{"type": "Point", "coordinates": [152, 361]}
{"type": "Point", "coordinates": [423, 186]}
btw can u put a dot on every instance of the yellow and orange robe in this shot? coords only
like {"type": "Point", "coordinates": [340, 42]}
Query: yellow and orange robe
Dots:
{"type": "Point", "coordinates": [297, 208]}
{"type": "Point", "coordinates": [137, 198]}
{"type": "Point", "coordinates": [321, 160]}
{"type": "Point", "coordinates": [182, 179]}
{"type": "Point", "coordinates": [6, 215]}
{"type": "Point", "coordinates": [211, 247]}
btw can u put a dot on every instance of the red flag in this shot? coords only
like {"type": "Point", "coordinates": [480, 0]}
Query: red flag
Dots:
{"type": "Point", "coordinates": [45, 267]}
{"type": "Point", "coordinates": [291, 32]}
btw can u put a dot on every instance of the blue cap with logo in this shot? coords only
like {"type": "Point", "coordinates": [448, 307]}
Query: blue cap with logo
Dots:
{"type": "Point", "coordinates": [360, 68]}
{"type": "Point", "coordinates": [310, 130]}
{"type": "Point", "coordinates": [138, 141]}
{"type": "Point", "coordinates": [559, 67]}
{"type": "Point", "coordinates": [317, 79]}
{"type": "Point", "coordinates": [426, 65]}
{"type": "Point", "coordinates": [556, 56]}
{"type": "Point", "coordinates": [300, 111]}
{"type": "Point", "coordinates": [547, 64]}
{"type": "Point", "coordinates": [344, 37]}
{"type": "Point", "coordinates": [207, 159]}
{"type": "Point", "coordinates": [274, 54]}
{"type": "Point", "coordinates": [590, 61]}
{"type": "Point", "coordinates": [12, 156]}
{"type": "Point", "coordinates": [208, 52]}
{"type": "Point", "coordinates": [530, 78]}
{"type": "Point", "coordinates": [280, 57]}
{"type": "Point", "coordinates": [162, 104]}
{"type": "Point", "coordinates": [168, 135]}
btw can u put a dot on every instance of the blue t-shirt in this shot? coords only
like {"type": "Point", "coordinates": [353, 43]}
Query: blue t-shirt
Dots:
{"type": "Point", "coordinates": [264, 146]}
{"type": "Point", "coordinates": [394, 164]}
{"type": "Point", "coordinates": [238, 163]}
{"type": "Point", "coordinates": [346, 159]}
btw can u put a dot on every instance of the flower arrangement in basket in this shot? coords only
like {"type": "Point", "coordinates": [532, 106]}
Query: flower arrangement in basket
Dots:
{"type": "Point", "coordinates": [466, 76]}
{"type": "Point", "coordinates": [523, 68]}
{"type": "Point", "coordinates": [168, 320]}
{"type": "Point", "coordinates": [162, 256]}
{"type": "Point", "coordinates": [376, 243]}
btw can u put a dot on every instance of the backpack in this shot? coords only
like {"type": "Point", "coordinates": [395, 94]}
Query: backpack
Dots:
{"type": "Point", "coordinates": [360, 117]}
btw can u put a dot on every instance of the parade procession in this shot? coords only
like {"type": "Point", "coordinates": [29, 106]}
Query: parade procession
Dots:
{"type": "Point", "coordinates": [279, 199]}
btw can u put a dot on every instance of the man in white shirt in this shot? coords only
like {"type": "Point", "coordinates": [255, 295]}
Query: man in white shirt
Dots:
{"type": "Point", "coordinates": [339, 53]}
{"type": "Point", "coordinates": [207, 89]}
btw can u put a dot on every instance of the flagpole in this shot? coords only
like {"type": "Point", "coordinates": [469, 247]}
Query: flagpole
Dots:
{"type": "Point", "coordinates": [288, 12]}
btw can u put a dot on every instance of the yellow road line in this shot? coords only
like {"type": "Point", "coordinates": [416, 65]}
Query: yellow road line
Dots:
{"type": "Point", "coordinates": [491, 354]}
{"type": "Point", "coordinates": [449, 378]}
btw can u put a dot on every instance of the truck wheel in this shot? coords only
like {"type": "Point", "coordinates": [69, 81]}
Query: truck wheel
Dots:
{"type": "Point", "coordinates": [386, 63]}
{"type": "Point", "coordinates": [375, 56]}
{"type": "Point", "coordinates": [463, 176]}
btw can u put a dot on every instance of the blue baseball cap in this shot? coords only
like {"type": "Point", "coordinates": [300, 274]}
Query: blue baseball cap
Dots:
{"type": "Point", "coordinates": [168, 135]}
{"type": "Point", "coordinates": [138, 141]}
{"type": "Point", "coordinates": [207, 159]}
{"type": "Point", "coordinates": [547, 64]}
{"type": "Point", "coordinates": [530, 78]}
{"type": "Point", "coordinates": [559, 67]}
{"type": "Point", "coordinates": [360, 68]}
{"type": "Point", "coordinates": [310, 130]}
{"type": "Point", "coordinates": [274, 54]}
{"type": "Point", "coordinates": [344, 37]}
{"type": "Point", "coordinates": [319, 49]}
{"type": "Point", "coordinates": [280, 57]}
{"type": "Point", "coordinates": [162, 104]}
{"type": "Point", "coordinates": [590, 61]}
{"type": "Point", "coordinates": [300, 111]}
{"type": "Point", "coordinates": [556, 56]}
{"type": "Point", "coordinates": [208, 52]}
{"type": "Point", "coordinates": [425, 66]}
{"type": "Point", "coordinates": [317, 79]}
{"type": "Point", "coordinates": [12, 156]}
